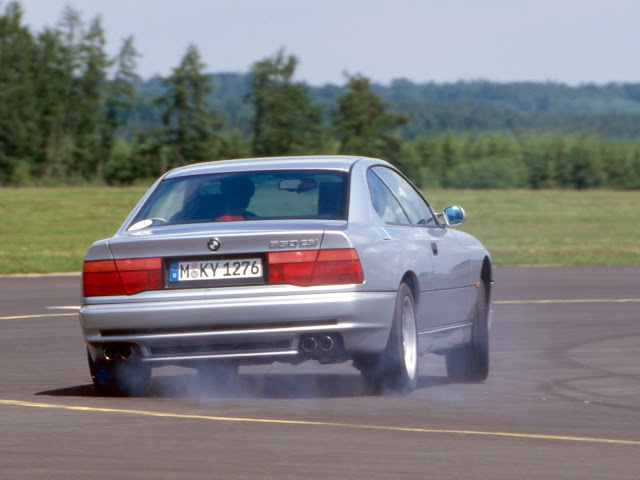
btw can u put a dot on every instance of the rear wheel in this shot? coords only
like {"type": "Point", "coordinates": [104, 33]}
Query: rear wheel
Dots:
{"type": "Point", "coordinates": [471, 362]}
{"type": "Point", "coordinates": [120, 377]}
{"type": "Point", "coordinates": [396, 368]}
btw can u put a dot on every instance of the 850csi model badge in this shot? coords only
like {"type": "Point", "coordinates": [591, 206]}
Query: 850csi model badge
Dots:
{"type": "Point", "coordinates": [214, 244]}
{"type": "Point", "coordinates": [305, 243]}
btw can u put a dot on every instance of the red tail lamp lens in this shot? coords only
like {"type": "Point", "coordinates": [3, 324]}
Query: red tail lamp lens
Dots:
{"type": "Point", "coordinates": [337, 267]}
{"type": "Point", "coordinates": [140, 274]}
{"type": "Point", "coordinates": [101, 278]}
{"type": "Point", "coordinates": [121, 277]}
{"type": "Point", "coordinates": [315, 267]}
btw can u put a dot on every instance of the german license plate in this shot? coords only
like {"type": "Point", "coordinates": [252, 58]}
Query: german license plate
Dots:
{"type": "Point", "coordinates": [215, 270]}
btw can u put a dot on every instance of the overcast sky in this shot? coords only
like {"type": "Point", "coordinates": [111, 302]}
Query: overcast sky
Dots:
{"type": "Point", "coordinates": [570, 41]}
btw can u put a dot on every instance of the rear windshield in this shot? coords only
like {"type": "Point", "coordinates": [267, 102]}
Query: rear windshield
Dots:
{"type": "Point", "coordinates": [246, 196]}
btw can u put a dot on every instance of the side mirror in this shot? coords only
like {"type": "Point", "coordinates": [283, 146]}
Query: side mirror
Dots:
{"type": "Point", "coordinates": [454, 215]}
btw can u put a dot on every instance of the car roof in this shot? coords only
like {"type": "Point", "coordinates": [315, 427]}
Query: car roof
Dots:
{"type": "Point", "coordinates": [334, 162]}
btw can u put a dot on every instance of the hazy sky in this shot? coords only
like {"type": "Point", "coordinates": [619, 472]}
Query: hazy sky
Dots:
{"type": "Point", "coordinates": [571, 41]}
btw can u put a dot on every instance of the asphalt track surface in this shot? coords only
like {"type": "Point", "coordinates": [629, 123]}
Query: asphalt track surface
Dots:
{"type": "Point", "coordinates": [562, 400]}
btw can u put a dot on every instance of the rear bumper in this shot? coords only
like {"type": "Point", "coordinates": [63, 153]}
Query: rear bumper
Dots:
{"type": "Point", "coordinates": [242, 328]}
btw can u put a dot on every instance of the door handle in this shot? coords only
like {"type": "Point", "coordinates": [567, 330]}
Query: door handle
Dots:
{"type": "Point", "coordinates": [434, 248]}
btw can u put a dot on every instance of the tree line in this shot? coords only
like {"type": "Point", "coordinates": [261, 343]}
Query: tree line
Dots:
{"type": "Point", "coordinates": [70, 114]}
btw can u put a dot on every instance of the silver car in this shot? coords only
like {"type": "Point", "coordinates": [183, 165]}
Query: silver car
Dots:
{"type": "Point", "coordinates": [326, 258]}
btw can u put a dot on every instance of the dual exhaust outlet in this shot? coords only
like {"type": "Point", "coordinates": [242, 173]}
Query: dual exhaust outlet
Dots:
{"type": "Point", "coordinates": [325, 343]}
{"type": "Point", "coordinates": [118, 351]}
{"type": "Point", "coordinates": [325, 348]}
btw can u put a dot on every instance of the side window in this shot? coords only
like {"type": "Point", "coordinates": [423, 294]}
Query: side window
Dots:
{"type": "Point", "coordinates": [384, 202]}
{"type": "Point", "coordinates": [411, 201]}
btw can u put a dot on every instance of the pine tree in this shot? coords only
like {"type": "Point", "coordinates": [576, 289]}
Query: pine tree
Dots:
{"type": "Point", "coordinates": [89, 155]}
{"type": "Point", "coordinates": [190, 126]}
{"type": "Point", "coordinates": [18, 104]}
{"type": "Point", "coordinates": [286, 121]}
{"type": "Point", "coordinates": [53, 87]}
{"type": "Point", "coordinates": [363, 124]}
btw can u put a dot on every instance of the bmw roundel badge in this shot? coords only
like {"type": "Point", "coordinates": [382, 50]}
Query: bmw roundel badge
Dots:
{"type": "Point", "coordinates": [214, 244]}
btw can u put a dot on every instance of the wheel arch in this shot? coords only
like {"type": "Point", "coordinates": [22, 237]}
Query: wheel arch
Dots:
{"type": "Point", "coordinates": [411, 279]}
{"type": "Point", "coordinates": [486, 277]}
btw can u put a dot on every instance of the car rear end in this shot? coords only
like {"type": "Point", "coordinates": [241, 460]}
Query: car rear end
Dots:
{"type": "Point", "coordinates": [281, 281]}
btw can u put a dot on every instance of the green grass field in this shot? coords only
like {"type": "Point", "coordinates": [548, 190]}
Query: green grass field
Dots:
{"type": "Point", "coordinates": [551, 227]}
{"type": "Point", "coordinates": [49, 229]}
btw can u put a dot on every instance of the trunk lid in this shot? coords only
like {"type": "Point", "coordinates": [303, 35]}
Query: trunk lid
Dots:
{"type": "Point", "coordinates": [233, 238]}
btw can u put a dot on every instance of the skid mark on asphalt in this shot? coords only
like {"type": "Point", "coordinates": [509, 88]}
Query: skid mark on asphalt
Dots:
{"type": "Point", "coordinates": [355, 426]}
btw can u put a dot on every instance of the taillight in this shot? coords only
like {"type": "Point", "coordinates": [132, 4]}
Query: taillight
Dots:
{"type": "Point", "coordinates": [101, 278]}
{"type": "Point", "coordinates": [337, 267]}
{"type": "Point", "coordinates": [315, 267]}
{"type": "Point", "coordinates": [121, 277]}
{"type": "Point", "coordinates": [140, 274]}
{"type": "Point", "coordinates": [292, 267]}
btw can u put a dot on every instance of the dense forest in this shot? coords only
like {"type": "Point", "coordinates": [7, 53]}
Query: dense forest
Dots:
{"type": "Point", "coordinates": [72, 114]}
{"type": "Point", "coordinates": [611, 111]}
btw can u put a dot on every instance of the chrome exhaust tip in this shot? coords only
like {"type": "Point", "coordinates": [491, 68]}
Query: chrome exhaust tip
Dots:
{"type": "Point", "coordinates": [110, 352]}
{"type": "Point", "coordinates": [118, 352]}
{"type": "Point", "coordinates": [309, 344]}
{"type": "Point", "coordinates": [326, 343]}
{"type": "Point", "coordinates": [126, 351]}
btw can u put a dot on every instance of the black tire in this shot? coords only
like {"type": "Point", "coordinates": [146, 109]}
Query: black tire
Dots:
{"type": "Point", "coordinates": [471, 362]}
{"type": "Point", "coordinates": [395, 369]}
{"type": "Point", "coordinates": [128, 378]}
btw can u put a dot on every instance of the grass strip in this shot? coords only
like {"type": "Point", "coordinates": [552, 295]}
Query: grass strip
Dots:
{"type": "Point", "coordinates": [44, 230]}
